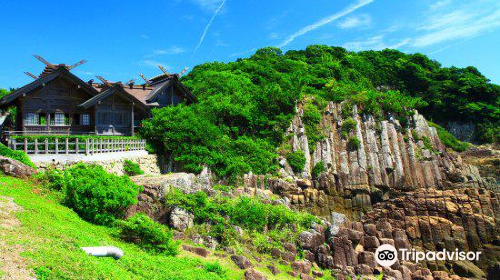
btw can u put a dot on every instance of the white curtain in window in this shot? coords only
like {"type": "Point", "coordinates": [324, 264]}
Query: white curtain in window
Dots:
{"type": "Point", "coordinates": [31, 119]}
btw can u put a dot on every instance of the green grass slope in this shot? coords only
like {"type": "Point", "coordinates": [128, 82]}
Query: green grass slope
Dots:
{"type": "Point", "coordinates": [51, 236]}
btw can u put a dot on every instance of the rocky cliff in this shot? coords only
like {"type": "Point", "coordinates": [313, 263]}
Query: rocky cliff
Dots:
{"type": "Point", "coordinates": [399, 185]}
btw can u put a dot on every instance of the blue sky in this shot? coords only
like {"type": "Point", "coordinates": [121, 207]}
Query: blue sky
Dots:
{"type": "Point", "coordinates": [121, 39]}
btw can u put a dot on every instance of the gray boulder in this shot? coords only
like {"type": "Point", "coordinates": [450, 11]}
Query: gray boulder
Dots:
{"type": "Point", "coordinates": [15, 168]}
{"type": "Point", "coordinates": [180, 219]}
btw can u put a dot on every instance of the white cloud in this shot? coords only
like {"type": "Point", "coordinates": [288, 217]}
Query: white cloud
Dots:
{"type": "Point", "coordinates": [273, 35]}
{"type": "Point", "coordinates": [375, 43]}
{"type": "Point", "coordinates": [207, 5]}
{"type": "Point", "coordinates": [207, 27]}
{"type": "Point", "coordinates": [440, 4]}
{"type": "Point", "coordinates": [154, 63]}
{"type": "Point", "coordinates": [325, 21]}
{"type": "Point", "coordinates": [464, 22]}
{"type": "Point", "coordinates": [171, 50]}
{"type": "Point", "coordinates": [361, 21]}
{"type": "Point", "coordinates": [144, 36]}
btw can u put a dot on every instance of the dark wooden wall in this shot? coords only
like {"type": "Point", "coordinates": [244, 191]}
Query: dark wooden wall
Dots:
{"type": "Point", "coordinates": [59, 96]}
{"type": "Point", "coordinates": [169, 96]}
{"type": "Point", "coordinates": [107, 113]}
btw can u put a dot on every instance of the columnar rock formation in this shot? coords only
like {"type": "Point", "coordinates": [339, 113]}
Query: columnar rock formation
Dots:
{"type": "Point", "coordinates": [402, 186]}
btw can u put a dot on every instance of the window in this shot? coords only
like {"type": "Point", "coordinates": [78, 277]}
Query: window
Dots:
{"type": "Point", "coordinates": [85, 119]}
{"type": "Point", "coordinates": [31, 119]}
{"type": "Point", "coordinates": [59, 119]}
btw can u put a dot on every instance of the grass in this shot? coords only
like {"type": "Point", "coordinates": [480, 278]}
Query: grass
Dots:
{"type": "Point", "coordinates": [52, 234]}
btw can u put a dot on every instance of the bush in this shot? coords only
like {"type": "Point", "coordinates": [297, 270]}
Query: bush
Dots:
{"type": "Point", "coordinates": [215, 268]}
{"type": "Point", "coordinates": [17, 155]}
{"type": "Point", "coordinates": [249, 213]}
{"type": "Point", "coordinates": [297, 160]}
{"type": "Point", "coordinates": [318, 169]}
{"type": "Point", "coordinates": [148, 235]}
{"type": "Point", "coordinates": [353, 143]}
{"type": "Point", "coordinates": [131, 168]}
{"type": "Point", "coordinates": [94, 194]}
{"type": "Point", "coordinates": [348, 125]}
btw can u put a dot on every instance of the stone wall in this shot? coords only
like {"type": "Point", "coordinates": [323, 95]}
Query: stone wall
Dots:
{"type": "Point", "coordinates": [150, 164]}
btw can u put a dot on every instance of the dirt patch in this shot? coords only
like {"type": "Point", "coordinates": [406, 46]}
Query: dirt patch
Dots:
{"type": "Point", "coordinates": [12, 265]}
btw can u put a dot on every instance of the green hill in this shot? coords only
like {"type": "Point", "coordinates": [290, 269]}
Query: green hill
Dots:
{"type": "Point", "coordinates": [246, 106]}
{"type": "Point", "coordinates": [49, 238]}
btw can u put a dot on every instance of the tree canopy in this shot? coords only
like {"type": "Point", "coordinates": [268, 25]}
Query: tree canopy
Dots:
{"type": "Point", "coordinates": [245, 106]}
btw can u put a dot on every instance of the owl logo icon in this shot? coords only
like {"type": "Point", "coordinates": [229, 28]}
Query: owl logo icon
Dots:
{"type": "Point", "coordinates": [386, 255]}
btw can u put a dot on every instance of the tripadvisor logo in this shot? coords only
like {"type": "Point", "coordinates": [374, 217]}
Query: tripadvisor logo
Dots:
{"type": "Point", "coordinates": [387, 255]}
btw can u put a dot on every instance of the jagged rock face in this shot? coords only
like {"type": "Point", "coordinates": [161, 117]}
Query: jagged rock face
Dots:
{"type": "Point", "coordinates": [403, 185]}
{"type": "Point", "coordinates": [433, 220]}
{"type": "Point", "coordinates": [388, 160]}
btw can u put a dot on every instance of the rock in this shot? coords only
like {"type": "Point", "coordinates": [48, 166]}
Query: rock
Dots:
{"type": "Point", "coordinates": [275, 253]}
{"type": "Point", "coordinates": [239, 230]}
{"type": "Point", "coordinates": [15, 168]}
{"type": "Point", "coordinates": [338, 220]}
{"type": "Point", "coordinates": [274, 269]}
{"type": "Point", "coordinates": [310, 240]}
{"type": "Point", "coordinates": [210, 242]}
{"type": "Point", "coordinates": [467, 269]}
{"type": "Point", "coordinates": [363, 269]}
{"type": "Point", "coordinates": [289, 247]}
{"type": "Point", "coordinates": [252, 274]}
{"type": "Point", "coordinates": [196, 250]}
{"type": "Point", "coordinates": [306, 276]}
{"type": "Point", "coordinates": [318, 273]}
{"type": "Point", "coordinates": [288, 256]}
{"type": "Point", "coordinates": [241, 261]}
{"type": "Point", "coordinates": [303, 266]}
{"type": "Point", "coordinates": [367, 258]}
{"type": "Point", "coordinates": [371, 243]}
{"type": "Point", "coordinates": [180, 219]}
{"type": "Point", "coordinates": [293, 273]}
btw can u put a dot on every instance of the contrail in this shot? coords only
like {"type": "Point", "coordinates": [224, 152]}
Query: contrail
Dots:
{"type": "Point", "coordinates": [324, 21]}
{"type": "Point", "coordinates": [208, 25]}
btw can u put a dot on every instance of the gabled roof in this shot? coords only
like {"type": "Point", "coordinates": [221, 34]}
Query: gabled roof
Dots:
{"type": "Point", "coordinates": [118, 89]}
{"type": "Point", "coordinates": [45, 79]}
{"type": "Point", "coordinates": [171, 80]}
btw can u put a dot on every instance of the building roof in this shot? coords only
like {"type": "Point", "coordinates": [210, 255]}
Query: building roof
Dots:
{"type": "Point", "coordinates": [116, 88]}
{"type": "Point", "coordinates": [60, 71]}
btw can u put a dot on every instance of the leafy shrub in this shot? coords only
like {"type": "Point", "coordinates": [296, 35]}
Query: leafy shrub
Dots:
{"type": "Point", "coordinates": [297, 160]}
{"type": "Point", "coordinates": [318, 169]}
{"type": "Point", "coordinates": [312, 118]}
{"type": "Point", "coordinates": [353, 143]}
{"type": "Point", "coordinates": [348, 125]}
{"type": "Point", "coordinates": [131, 168]}
{"type": "Point", "coordinates": [147, 234]}
{"type": "Point", "coordinates": [216, 268]}
{"type": "Point", "coordinates": [97, 196]}
{"type": "Point", "coordinates": [17, 155]}
{"type": "Point", "coordinates": [448, 139]}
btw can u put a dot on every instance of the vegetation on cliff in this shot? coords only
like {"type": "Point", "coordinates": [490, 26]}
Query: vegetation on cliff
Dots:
{"type": "Point", "coordinates": [245, 106]}
{"type": "Point", "coordinates": [268, 225]}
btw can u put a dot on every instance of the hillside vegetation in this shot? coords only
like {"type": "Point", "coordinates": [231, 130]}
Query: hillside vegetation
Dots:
{"type": "Point", "coordinates": [51, 236]}
{"type": "Point", "coordinates": [245, 106]}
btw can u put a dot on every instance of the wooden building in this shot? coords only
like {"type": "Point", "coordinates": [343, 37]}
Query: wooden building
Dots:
{"type": "Point", "coordinates": [58, 102]}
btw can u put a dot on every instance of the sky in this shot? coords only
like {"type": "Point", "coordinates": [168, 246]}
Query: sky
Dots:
{"type": "Point", "coordinates": [121, 39]}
